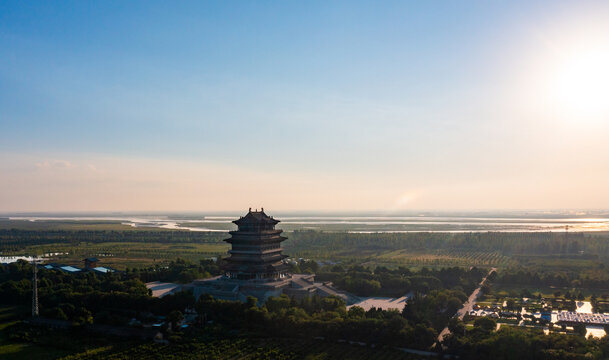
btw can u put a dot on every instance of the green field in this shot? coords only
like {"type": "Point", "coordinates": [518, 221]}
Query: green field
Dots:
{"type": "Point", "coordinates": [123, 246]}
{"type": "Point", "coordinates": [442, 258]}
{"type": "Point", "coordinates": [544, 291]}
{"type": "Point", "coordinates": [68, 225]}
{"type": "Point", "coordinates": [121, 255]}
{"type": "Point", "coordinates": [136, 254]}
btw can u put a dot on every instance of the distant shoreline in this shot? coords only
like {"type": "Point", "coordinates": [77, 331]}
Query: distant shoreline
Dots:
{"type": "Point", "coordinates": [474, 223]}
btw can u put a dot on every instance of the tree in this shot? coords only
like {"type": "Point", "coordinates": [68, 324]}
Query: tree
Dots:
{"type": "Point", "coordinates": [423, 336]}
{"type": "Point", "coordinates": [456, 326]}
{"type": "Point", "coordinates": [486, 324]}
{"type": "Point", "coordinates": [580, 329]}
{"type": "Point", "coordinates": [485, 288]}
{"type": "Point", "coordinates": [356, 312]}
{"type": "Point", "coordinates": [251, 301]}
{"type": "Point", "coordinates": [276, 303]}
{"type": "Point", "coordinates": [174, 318]}
{"type": "Point", "coordinates": [83, 316]}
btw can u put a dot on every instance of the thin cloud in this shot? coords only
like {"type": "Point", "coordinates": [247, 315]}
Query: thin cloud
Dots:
{"type": "Point", "coordinates": [54, 164]}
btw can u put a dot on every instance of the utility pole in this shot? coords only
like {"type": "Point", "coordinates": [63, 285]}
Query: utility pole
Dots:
{"type": "Point", "coordinates": [35, 290]}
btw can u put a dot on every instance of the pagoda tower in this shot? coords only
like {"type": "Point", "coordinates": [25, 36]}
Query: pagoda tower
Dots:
{"type": "Point", "coordinates": [256, 249]}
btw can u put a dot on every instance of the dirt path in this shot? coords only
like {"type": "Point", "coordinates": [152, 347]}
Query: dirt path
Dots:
{"type": "Point", "coordinates": [468, 305]}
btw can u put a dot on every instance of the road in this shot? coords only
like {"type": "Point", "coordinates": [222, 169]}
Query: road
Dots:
{"type": "Point", "coordinates": [468, 305]}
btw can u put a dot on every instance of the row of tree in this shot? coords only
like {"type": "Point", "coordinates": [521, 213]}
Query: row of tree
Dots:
{"type": "Point", "coordinates": [18, 239]}
{"type": "Point", "coordinates": [325, 318]}
{"type": "Point", "coordinates": [316, 243]}
{"type": "Point", "coordinates": [567, 277]}
{"type": "Point", "coordinates": [323, 244]}
{"type": "Point", "coordinates": [382, 281]}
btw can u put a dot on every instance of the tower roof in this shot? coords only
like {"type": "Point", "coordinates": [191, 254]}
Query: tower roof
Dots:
{"type": "Point", "coordinates": [255, 217]}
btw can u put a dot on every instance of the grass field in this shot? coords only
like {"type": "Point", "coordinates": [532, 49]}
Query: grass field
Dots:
{"type": "Point", "coordinates": [194, 246]}
{"type": "Point", "coordinates": [121, 255]}
{"type": "Point", "coordinates": [444, 257]}
{"type": "Point", "coordinates": [545, 292]}
{"type": "Point", "coordinates": [555, 262]}
{"type": "Point", "coordinates": [128, 254]}
{"type": "Point", "coordinates": [67, 225]}
{"type": "Point", "coordinates": [137, 254]}
{"type": "Point", "coordinates": [132, 254]}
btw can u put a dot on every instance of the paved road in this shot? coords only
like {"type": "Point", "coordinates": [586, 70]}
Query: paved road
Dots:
{"type": "Point", "coordinates": [468, 305]}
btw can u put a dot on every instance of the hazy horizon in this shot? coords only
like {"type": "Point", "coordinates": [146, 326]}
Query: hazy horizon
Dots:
{"type": "Point", "coordinates": [335, 106]}
{"type": "Point", "coordinates": [353, 222]}
{"type": "Point", "coordinates": [490, 213]}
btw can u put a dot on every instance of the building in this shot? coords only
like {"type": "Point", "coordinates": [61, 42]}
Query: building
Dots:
{"type": "Point", "coordinates": [91, 262]}
{"type": "Point", "coordinates": [69, 269]}
{"type": "Point", "coordinates": [256, 249]}
{"type": "Point", "coordinates": [256, 266]}
{"type": "Point", "coordinates": [90, 265]}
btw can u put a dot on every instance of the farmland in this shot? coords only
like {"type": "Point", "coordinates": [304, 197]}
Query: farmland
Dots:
{"type": "Point", "coordinates": [444, 257]}
{"type": "Point", "coordinates": [123, 246]}
{"type": "Point", "coordinates": [128, 254]}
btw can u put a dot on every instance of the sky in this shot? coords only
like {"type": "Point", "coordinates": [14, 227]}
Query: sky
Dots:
{"type": "Point", "coordinates": [318, 105]}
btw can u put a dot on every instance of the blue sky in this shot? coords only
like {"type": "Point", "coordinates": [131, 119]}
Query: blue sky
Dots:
{"type": "Point", "coordinates": [382, 99]}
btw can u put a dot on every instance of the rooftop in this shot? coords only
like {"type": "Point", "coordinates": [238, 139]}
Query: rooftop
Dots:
{"type": "Point", "coordinates": [70, 268]}
{"type": "Point", "coordinates": [255, 217]}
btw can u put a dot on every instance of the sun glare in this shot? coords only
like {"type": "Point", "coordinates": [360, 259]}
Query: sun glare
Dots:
{"type": "Point", "coordinates": [581, 84]}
